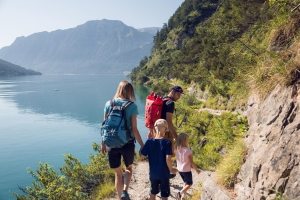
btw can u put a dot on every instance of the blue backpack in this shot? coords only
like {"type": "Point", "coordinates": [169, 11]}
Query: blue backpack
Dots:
{"type": "Point", "coordinates": [114, 130]}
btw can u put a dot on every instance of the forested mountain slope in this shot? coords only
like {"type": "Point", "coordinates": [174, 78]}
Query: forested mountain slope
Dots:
{"type": "Point", "coordinates": [219, 44]}
{"type": "Point", "coordinates": [9, 69]}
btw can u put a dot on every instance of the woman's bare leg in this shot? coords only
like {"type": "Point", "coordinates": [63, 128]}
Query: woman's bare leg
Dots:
{"type": "Point", "coordinates": [118, 180]}
{"type": "Point", "coordinates": [127, 177]}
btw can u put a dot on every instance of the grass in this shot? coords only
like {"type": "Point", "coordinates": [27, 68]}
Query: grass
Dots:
{"type": "Point", "coordinates": [196, 194]}
{"type": "Point", "coordinates": [230, 165]}
{"type": "Point", "coordinates": [104, 190]}
{"type": "Point", "coordinates": [280, 196]}
{"type": "Point", "coordinates": [279, 57]}
{"type": "Point", "coordinates": [209, 134]}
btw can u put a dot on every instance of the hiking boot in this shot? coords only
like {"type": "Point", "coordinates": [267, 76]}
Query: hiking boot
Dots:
{"type": "Point", "coordinates": [172, 176]}
{"type": "Point", "coordinates": [125, 195]}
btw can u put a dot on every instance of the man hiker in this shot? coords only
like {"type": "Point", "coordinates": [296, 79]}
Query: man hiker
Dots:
{"type": "Point", "coordinates": [168, 109]}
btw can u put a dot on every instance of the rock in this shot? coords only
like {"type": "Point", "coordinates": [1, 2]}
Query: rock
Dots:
{"type": "Point", "coordinates": [272, 164]}
{"type": "Point", "coordinates": [205, 95]}
{"type": "Point", "coordinates": [210, 190]}
{"type": "Point", "coordinates": [220, 100]}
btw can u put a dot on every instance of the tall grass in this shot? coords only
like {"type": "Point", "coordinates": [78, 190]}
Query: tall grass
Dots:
{"type": "Point", "coordinates": [278, 62]}
{"type": "Point", "coordinates": [104, 191]}
{"type": "Point", "coordinates": [230, 165]}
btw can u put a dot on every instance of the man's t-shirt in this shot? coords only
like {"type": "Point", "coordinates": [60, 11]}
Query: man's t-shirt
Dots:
{"type": "Point", "coordinates": [157, 150]}
{"type": "Point", "coordinates": [168, 106]}
{"type": "Point", "coordinates": [130, 110]}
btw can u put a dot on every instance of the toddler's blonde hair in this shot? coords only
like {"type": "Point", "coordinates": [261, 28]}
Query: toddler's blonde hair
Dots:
{"type": "Point", "coordinates": [182, 141]}
{"type": "Point", "coordinates": [159, 124]}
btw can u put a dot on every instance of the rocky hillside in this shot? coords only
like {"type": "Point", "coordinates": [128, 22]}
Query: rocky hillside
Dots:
{"type": "Point", "coordinates": [9, 69]}
{"type": "Point", "coordinates": [100, 46]}
{"type": "Point", "coordinates": [272, 163]}
{"type": "Point", "coordinates": [271, 168]}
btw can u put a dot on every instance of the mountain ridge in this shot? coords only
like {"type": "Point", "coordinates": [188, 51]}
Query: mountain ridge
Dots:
{"type": "Point", "coordinates": [97, 46]}
{"type": "Point", "coordinates": [9, 69]}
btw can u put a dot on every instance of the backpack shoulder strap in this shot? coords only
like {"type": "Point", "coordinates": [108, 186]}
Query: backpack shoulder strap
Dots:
{"type": "Point", "coordinates": [124, 106]}
{"type": "Point", "coordinates": [168, 100]}
{"type": "Point", "coordinates": [127, 104]}
{"type": "Point", "coordinates": [112, 104]}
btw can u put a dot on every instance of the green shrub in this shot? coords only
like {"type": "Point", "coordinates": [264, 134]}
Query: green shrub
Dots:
{"type": "Point", "coordinates": [76, 181]}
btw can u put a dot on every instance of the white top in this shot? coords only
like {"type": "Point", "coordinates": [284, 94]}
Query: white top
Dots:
{"type": "Point", "coordinates": [183, 162]}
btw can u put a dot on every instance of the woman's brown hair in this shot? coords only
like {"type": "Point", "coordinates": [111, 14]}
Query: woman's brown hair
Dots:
{"type": "Point", "coordinates": [125, 91]}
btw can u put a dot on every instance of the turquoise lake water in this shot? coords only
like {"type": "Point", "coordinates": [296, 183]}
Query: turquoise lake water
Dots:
{"type": "Point", "coordinates": [44, 117]}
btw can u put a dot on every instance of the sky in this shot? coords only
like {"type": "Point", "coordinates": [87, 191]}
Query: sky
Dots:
{"type": "Point", "coordinates": [25, 17]}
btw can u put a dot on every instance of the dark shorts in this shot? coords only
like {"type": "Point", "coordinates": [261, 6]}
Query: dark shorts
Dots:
{"type": "Point", "coordinates": [115, 154]}
{"type": "Point", "coordinates": [187, 177]}
{"type": "Point", "coordinates": [162, 185]}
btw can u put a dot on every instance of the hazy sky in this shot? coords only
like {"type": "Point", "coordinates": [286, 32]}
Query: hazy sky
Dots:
{"type": "Point", "coordinates": [25, 17]}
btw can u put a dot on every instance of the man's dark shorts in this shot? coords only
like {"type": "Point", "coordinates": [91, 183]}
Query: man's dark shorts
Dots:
{"type": "Point", "coordinates": [127, 152]}
{"type": "Point", "coordinates": [187, 177]}
{"type": "Point", "coordinates": [163, 185]}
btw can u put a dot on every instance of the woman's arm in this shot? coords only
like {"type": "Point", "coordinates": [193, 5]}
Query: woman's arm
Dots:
{"type": "Point", "coordinates": [193, 164]}
{"type": "Point", "coordinates": [135, 130]}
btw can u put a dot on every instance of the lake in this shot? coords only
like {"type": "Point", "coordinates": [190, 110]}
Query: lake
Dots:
{"type": "Point", "coordinates": [44, 117]}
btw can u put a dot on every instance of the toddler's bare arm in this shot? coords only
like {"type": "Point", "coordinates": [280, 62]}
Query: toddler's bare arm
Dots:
{"type": "Point", "coordinates": [193, 164]}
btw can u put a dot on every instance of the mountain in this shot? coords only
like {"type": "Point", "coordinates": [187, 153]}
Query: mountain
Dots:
{"type": "Point", "coordinates": [151, 30]}
{"type": "Point", "coordinates": [9, 69]}
{"type": "Point", "coordinates": [100, 46]}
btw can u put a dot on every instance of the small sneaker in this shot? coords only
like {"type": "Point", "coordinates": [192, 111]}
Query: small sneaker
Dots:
{"type": "Point", "coordinates": [172, 176]}
{"type": "Point", "coordinates": [178, 196]}
{"type": "Point", "coordinates": [125, 195]}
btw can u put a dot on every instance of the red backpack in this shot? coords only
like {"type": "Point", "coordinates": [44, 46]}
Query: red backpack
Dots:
{"type": "Point", "coordinates": [153, 109]}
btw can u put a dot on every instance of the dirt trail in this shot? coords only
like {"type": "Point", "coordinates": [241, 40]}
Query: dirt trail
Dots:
{"type": "Point", "coordinates": [139, 188]}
